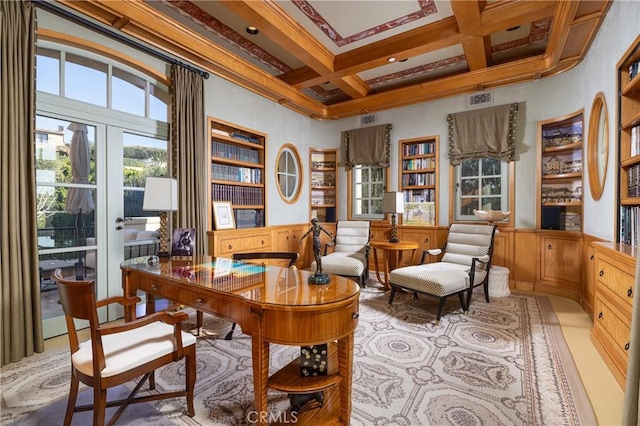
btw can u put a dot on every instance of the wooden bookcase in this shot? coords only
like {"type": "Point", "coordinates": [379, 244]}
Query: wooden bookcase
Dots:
{"type": "Point", "coordinates": [323, 184]}
{"type": "Point", "coordinates": [560, 161]}
{"type": "Point", "coordinates": [629, 140]}
{"type": "Point", "coordinates": [418, 180]}
{"type": "Point", "coordinates": [238, 172]}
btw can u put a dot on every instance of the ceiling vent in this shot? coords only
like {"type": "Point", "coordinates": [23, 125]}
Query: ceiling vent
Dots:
{"type": "Point", "coordinates": [481, 98]}
{"type": "Point", "coordinates": [368, 120]}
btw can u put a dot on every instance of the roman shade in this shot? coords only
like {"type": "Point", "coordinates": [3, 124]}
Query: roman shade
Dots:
{"type": "Point", "coordinates": [487, 132]}
{"type": "Point", "coordinates": [367, 146]}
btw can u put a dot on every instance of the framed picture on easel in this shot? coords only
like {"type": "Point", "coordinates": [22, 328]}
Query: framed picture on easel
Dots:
{"type": "Point", "coordinates": [183, 242]}
{"type": "Point", "coordinates": [223, 215]}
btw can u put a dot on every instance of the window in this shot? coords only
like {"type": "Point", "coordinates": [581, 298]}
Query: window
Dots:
{"type": "Point", "coordinates": [481, 184]}
{"type": "Point", "coordinates": [288, 173]}
{"type": "Point", "coordinates": [368, 184]}
{"type": "Point", "coordinates": [66, 74]}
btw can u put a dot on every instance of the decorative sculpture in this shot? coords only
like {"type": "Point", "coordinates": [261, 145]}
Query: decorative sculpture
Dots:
{"type": "Point", "coordinates": [316, 228]}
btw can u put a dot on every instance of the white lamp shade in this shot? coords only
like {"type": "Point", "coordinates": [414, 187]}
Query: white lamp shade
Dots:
{"type": "Point", "coordinates": [160, 194]}
{"type": "Point", "coordinates": [393, 202]}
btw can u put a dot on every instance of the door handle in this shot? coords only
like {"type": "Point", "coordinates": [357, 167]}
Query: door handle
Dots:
{"type": "Point", "coordinates": [120, 220]}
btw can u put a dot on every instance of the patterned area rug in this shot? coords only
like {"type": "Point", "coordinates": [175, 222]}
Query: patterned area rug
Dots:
{"type": "Point", "coordinates": [504, 363]}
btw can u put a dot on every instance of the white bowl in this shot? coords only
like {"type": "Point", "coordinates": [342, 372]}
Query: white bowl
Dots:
{"type": "Point", "coordinates": [491, 215]}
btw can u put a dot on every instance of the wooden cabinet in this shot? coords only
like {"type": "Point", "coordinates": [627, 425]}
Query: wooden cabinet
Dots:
{"type": "Point", "coordinates": [226, 242]}
{"type": "Point", "coordinates": [238, 172]}
{"type": "Point", "coordinates": [418, 180]}
{"type": "Point", "coordinates": [629, 140]}
{"type": "Point", "coordinates": [560, 264]}
{"type": "Point", "coordinates": [560, 173]}
{"type": "Point", "coordinates": [323, 184]}
{"type": "Point", "coordinates": [614, 288]}
{"type": "Point", "coordinates": [425, 239]}
{"type": "Point", "coordinates": [589, 279]}
{"type": "Point", "coordinates": [287, 238]}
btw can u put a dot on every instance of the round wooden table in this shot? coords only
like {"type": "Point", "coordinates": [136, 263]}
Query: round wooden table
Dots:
{"type": "Point", "coordinates": [392, 255]}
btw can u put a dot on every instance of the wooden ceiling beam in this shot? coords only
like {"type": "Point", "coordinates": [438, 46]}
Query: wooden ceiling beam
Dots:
{"type": "Point", "coordinates": [353, 86]}
{"type": "Point", "coordinates": [438, 35]}
{"type": "Point", "coordinates": [499, 16]}
{"type": "Point", "coordinates": [275, 24]}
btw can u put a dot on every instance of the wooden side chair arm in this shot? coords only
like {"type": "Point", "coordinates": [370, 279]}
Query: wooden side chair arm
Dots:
{"type": "Point", "coordinates": [124, 301]}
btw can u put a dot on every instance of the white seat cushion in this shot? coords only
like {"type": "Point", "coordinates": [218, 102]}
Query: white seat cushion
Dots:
{"type": "Point", "coordinates": [439, 279]}
{"type": "Point", "coordinates": [130, 349]}
{"type": "Point", "coordinates": [342, 263]}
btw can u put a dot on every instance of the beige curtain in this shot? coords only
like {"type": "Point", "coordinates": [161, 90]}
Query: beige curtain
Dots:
{"type": "Point", "coordinates": [367, 146]}
{"type": "Point", "coordinates": [482, 133]}
{"type": "Point", "coordinates": [20, 305]}
{"type": "Point", "coordinates": [632, 392]}
{"type": "Point", "coordinates": [190, 152]}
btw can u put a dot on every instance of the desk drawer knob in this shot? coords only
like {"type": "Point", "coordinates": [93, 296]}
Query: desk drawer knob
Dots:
{"type": "Point", "coordinates": [549, 247]}
{"type": "Point", "coordinates": [591, 258]}
{"type": "Point", "coordinates": [626, 347]}
{"type": "Point", "coordinates": [601, 273]}
{"type": "Point", "coordinates": [230, 246]}
{"type": "Point", "coordinates": [154, 286]}
{"type": "Point", "coordinates": [355, 315]}
{"type": "Point", "coordinates": [630, 292]}
{"type": "Point", "coordinates": [600, 315]}
{"type": "Point", "coordinates": [199, 301]}
{"type": "Point", "coordinates": [262, 242]}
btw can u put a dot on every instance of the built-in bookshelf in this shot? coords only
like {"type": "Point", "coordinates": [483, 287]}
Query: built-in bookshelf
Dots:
{"type": "Point", "coordinates": [323, 184]}
{"type": "Point", "coordinates": [238, 171]}
{"type": "Point", "coordinates": [629, 149]}
{"type": "Point", "coordinates": [418, 180]}
{"type": "Point", "coordinates": [560, 156]}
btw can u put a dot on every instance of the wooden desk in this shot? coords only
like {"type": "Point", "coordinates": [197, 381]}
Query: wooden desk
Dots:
{"type": "Point", "coordinates": [391, 252]}
{"type": "Point", "coordinates": [272, 305]}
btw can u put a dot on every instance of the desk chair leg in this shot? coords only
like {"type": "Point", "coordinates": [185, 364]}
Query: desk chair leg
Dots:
{"type": "Point", "coordinates": [199, 320]}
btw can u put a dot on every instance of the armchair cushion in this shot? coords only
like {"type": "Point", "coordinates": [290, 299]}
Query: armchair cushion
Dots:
{"type": "Point", "coordinates": [440, 278]}
{"type": "Point", "coordinates": [343, 263]}
{"type": "Point", "coordinates": [129, 349]}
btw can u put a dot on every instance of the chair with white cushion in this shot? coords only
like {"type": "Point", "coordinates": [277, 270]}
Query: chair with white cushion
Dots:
{"type": "Point", "coordinates": [350, 254]}
{"type": "Point", "coordinates": [464, 265]}
{"type": "Point", "coordinates": [116, 354]}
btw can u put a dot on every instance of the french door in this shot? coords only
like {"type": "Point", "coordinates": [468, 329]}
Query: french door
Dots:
{"type": "Point", "coordinates": [85, 205]}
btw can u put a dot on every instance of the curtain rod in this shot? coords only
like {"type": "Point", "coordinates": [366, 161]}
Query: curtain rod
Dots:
{"type": "Point", "coordinates": [59, 10]}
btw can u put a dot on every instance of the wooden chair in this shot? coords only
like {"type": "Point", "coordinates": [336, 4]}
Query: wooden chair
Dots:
{"type": "Point", "coordinates": [464, 266]}
{"type": "Point", "coordinates": [284, 255]}
{"type": "Point", "coordinates": [116, 354]}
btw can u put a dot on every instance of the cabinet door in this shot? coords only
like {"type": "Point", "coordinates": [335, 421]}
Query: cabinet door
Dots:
{"type": "Point", "coordinates": [560, 259]}
{"type": "Point", "coordinates": [283, 239]}
{"type": "Point", "coordinates": [425, 238]}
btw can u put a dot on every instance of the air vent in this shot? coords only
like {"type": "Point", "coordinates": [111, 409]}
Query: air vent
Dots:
{"type": "Point", "coordinates": [481, 98]}
{"type": "Point", "coordinates": [368, 120]}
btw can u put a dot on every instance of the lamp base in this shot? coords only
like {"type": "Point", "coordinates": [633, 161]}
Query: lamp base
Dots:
{"type": "Point", "coordinates": [393, 240]}
{"type": "Point", "coordinates": [163, 254]}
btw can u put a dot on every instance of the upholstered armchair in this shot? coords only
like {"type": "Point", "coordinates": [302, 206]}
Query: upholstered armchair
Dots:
{"type": "Point", "coordinates": [465, 264]}
{"type": "Point", "coordinates": [347, 254]}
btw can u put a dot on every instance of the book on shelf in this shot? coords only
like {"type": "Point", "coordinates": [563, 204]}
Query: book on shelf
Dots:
{"type": "Point", "coordinates": [633, 69]}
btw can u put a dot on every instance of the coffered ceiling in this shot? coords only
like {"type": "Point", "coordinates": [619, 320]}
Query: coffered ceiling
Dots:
{"type": "Point", "coordinates": [334, 59]}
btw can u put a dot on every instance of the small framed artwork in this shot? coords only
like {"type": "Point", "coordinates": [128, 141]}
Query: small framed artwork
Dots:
{"type": "Point", "coordinates": [223, 215]}
{"type": "Point", "coordinates": [183, 242]}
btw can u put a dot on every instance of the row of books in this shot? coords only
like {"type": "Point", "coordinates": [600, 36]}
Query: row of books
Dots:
{"type": "Point", "coordinates": [234, 152]}
{"type": "Point", "coordinates": [236, 135]}
{"type": "Point", "coordinates": [633, 69]}
{"type": "Point", "coordinates": [419, 195]}
{"type": "Point", "coordinates": [419, 148]}
{"type": "Point", "coordinates": [416, 179]}
{"type": "Point", "coordinates": [249, 218]}
{"type": "Point", "coordinates": [633, 181]}
{"type": "Point", "coordinates": [635, 141]}
{"type": "Point", "coordinates": [629, 217]}
{"type": "Point", "coordinates": [419, 163]}
{"type": "Point", "coordinates": [236, 174]}
{"type": "Point", "coordinates": [237, 195]}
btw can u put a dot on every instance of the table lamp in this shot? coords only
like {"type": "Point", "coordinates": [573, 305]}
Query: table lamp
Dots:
{"type": "Point", "coordinates": [393, 202]}
{"type": "Point", "coordinates": [161, 194]}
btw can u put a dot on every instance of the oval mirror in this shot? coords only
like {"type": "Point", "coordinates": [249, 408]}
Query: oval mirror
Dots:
{"type": "Point", "coordinates": [288, 174]}
{"type": "Point", "coordinates": [598, 153]}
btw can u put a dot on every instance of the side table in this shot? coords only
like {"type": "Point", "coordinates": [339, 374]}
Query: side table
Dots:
{"type": "Point", "coordinates": [392, 254]}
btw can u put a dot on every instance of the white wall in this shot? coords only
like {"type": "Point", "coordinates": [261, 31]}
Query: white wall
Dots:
{"type": "Point", "coordinates": [540, 100]}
